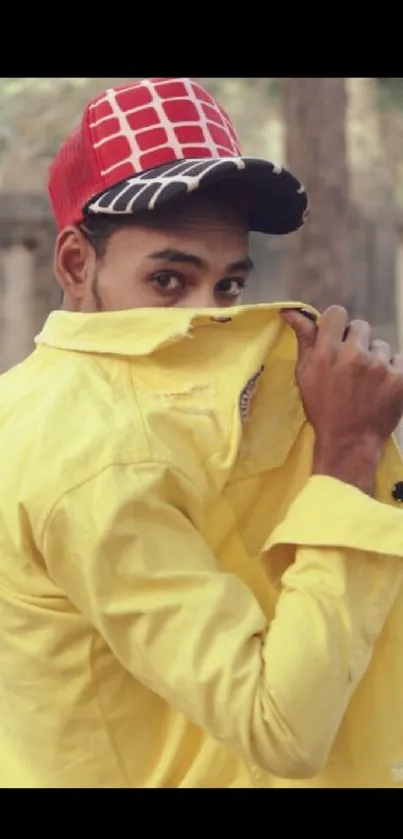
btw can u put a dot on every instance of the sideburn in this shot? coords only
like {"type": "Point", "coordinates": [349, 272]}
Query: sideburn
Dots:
{"type": "Point", "coordinates": [95, 293]}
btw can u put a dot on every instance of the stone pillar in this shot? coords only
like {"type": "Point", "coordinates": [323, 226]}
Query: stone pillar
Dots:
{"type": "Point", "coordinates": [16, 339]}
{"type": "Point", "coordinates": [26, 288]}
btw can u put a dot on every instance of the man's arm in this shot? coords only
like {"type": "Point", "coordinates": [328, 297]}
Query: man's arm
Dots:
{"type": "Point", "coordinates": [124, 550]}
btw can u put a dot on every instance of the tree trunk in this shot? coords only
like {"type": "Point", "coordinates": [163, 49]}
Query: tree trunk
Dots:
{"type": "Point", "coordinates": [317, 269]}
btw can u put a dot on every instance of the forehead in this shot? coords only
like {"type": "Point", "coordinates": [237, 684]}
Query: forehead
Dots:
{"type": "Point", "coordinates": [213, 239]}
{"type": "Point", "coordinates": [211, 223]}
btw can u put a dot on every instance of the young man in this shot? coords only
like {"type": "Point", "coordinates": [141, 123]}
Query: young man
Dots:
{"type": "Point", "coordinates": [201, 556]}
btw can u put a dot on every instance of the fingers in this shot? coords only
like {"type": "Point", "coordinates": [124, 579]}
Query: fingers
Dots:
{"type": "Point", "coordinates": [359, 334]}
{"type": "Point", "coordinates": [381, 350]}
{"type": "Point", "coordinates": [332, 327]}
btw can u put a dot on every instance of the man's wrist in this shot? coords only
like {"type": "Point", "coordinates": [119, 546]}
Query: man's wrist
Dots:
{"type": "Point", "coordinates": [352, 461]}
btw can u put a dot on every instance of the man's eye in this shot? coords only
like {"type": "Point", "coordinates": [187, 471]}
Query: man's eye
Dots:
{"type": "Point", "coordinates": [167, 281]}
{"type": "Point", "coordinates": [231, 288]}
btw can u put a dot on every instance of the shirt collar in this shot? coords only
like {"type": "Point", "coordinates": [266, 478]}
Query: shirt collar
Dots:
{"type": "Point", "coordinates": [138, 332]}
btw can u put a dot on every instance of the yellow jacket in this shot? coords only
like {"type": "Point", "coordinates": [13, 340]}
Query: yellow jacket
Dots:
{"type": "Point", "coordinates": [181, 605]}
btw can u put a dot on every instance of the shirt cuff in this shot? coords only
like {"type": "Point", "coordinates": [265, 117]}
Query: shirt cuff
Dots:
{"type": "Point", "coordinates": [330, 513]}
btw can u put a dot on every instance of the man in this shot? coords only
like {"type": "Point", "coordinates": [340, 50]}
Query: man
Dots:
{"type": "Point", "coordinates": [201, 560]}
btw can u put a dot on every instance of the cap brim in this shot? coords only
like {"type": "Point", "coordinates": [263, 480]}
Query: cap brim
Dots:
{"type": "Point", "coordinates": [278, 200]}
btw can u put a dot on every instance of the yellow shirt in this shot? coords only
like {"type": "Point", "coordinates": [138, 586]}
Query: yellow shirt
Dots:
{"type": "Point", "coordinates": [181, 605]}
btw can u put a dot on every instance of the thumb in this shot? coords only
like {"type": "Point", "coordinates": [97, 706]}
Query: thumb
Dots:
{"type": "Point", "coordinates": [304, 326]}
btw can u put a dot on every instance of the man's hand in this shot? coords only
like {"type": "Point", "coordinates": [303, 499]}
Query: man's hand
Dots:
{"type": "Point", "coordinates": [352, 391]}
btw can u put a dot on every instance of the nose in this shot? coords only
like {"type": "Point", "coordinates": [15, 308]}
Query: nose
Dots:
{"type": "Point", "coordinates": [201, 297]}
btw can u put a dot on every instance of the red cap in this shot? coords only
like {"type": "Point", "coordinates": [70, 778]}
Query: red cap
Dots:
{"type": "Point", "coordinates": [143, 144]}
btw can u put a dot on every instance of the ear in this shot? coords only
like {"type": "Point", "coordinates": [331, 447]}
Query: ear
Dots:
{"type": "Point", "coordinates": [74, 262]}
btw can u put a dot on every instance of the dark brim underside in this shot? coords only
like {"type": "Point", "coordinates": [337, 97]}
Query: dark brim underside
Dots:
{"type": "Point", "coordinates": [278, 200]}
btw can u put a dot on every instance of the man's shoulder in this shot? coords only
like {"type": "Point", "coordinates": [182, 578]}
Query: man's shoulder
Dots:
{"type": "Point", "coordinates": [58, 395]}
{"type": "Point", "coordinates": [59, 427]}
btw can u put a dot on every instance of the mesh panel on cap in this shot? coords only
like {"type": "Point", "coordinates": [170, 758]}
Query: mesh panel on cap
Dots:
{"type": "Point", "coordinates": [73, 176]}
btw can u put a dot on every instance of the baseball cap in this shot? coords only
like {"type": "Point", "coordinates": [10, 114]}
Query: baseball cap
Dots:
{"type": "Point", "coordinates": [140, 145]}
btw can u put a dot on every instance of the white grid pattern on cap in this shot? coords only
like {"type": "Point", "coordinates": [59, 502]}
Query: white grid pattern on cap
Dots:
{"type": "Point", "coordinates": [203, 119]}
{"type": "Point", "coordinates": [131, 135]}
{"type": "Point", "coordinates": [139, 131]}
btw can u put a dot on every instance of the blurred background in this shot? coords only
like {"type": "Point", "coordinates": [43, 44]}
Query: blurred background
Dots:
{"type": "Point", "coordinates": [343, 137]}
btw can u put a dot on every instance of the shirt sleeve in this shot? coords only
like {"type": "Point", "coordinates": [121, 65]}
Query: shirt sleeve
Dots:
{"type": "Point", "coordinates": [125, 550]}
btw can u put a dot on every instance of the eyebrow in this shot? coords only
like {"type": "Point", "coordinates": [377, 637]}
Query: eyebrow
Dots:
{"type": "Point", "coordinates": [169, 255]}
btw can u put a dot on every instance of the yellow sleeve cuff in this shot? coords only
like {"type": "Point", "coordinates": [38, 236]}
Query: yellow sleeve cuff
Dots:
{"type": "Point", "coordinates": [330, 513]}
